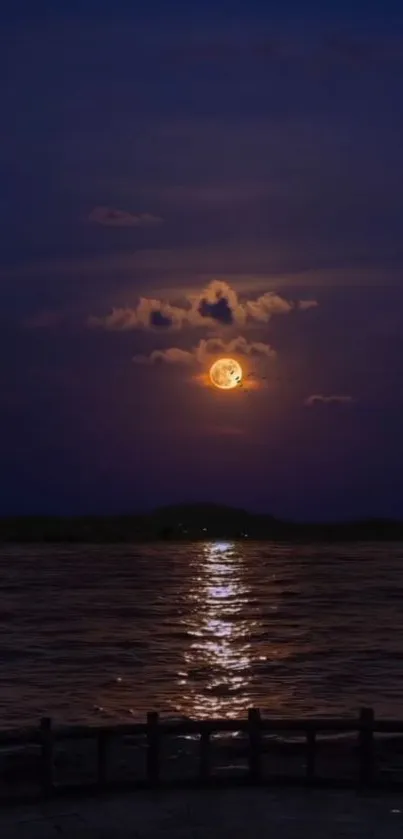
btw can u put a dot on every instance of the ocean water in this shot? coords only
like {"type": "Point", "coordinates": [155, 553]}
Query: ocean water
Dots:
{"type": "Point", "coordinates": [92, 634]}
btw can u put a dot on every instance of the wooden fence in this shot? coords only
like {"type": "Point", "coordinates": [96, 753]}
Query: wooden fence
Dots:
{"type": "Point", "coordinates": [254, 728]}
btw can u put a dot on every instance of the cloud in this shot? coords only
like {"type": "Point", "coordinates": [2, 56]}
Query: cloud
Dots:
{"type": "Point", "coordinates": [267, 305]}
{"type": "Point", "coordinates": [304, 305]}
{"type": "Point", "coordinates": [319, 399]}
{"type": "Point", "coordinates": [220, 310]}
{"type": "Point", "coordinates": [173, 355]}
{"type": "Point", "coordinates": [110, 217]}
{"type": "Point", "coordinates": [205, 350]}
{"type": "Point", "coordinates": [219, 303]}
{"type": "Point", "coordinates": [215, 346]}
{"type": "Point", "coordinates": [158, 319]}
{"type": "Point", "coordinates": [148, 314]}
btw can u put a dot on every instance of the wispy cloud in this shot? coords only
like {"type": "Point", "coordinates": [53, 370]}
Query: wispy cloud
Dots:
{"type": "Point", "coordinates": [266, 305]}
{"type": "Point", "coordinates": [205, 350]}
{"type": "Point", "coordinates": [308, 304]}
{"type": "Point", "coordinates": [148, 314]}
{"type": "Point", "coordinates": [320, 399]}
{"type": "Point", "coordinates": [218, 304]}
{"type": "Point", "coordinates": [172, 355]}
{"type": "Point", "coordinates": [111, 217]}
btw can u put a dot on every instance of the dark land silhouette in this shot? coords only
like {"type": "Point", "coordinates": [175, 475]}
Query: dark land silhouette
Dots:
{"type": "Point", "coordinates": [190, 522]}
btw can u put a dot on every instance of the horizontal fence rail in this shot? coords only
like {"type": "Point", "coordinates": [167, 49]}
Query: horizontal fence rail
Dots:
{"type": "Point", "coordinates": [254, 745]}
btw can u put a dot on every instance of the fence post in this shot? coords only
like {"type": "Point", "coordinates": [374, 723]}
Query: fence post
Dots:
{"type": "Point", "coordinates": [204, 755]}
{"type": "Point", "coordinates": [310, 754]}
{"type": "Point", "coordinates": [366, 746]}
{"type": "Point", "coordinates": [255, 744]}
{"type": "Point", "coordinates": [46, 738]}
{"type": "Point", "coordinates": [102, 758]}
{"type": "Point", "coordinates": [153, 747]}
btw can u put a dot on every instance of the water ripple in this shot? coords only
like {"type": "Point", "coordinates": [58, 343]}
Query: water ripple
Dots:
{"type": "Point", "coordinates": [199, 630]}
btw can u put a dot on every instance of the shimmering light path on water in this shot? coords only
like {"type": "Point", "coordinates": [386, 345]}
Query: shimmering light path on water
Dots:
{"type": "Point", "coordinates": [107, 633]}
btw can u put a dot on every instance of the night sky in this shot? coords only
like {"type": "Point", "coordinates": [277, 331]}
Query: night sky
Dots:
{"type": "Point", "coordinates": [182, 181]}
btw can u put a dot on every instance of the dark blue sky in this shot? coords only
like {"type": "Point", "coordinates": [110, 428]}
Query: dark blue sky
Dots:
{"type": "Point", "coordinates": [144, 154]}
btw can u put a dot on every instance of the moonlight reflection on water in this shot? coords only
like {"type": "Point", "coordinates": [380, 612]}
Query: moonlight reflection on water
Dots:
{"type": "Point", "coordinates": [219, 654]}
{"type": "Point", "coordinates": [94, 633]}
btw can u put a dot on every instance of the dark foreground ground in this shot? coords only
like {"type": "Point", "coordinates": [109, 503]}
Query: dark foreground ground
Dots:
{"type": "Point", "coordinates": [228, 815]}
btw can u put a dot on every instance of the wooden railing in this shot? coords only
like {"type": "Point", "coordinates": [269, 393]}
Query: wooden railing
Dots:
{"type": "Point", "coordinates": [254, 728]}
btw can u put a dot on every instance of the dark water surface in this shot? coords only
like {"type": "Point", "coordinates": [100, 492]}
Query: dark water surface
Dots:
{"type": "Point", "coordinates": [107, 633]}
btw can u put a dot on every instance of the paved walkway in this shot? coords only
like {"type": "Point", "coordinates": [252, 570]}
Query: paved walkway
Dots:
{"type": "Point", "coordinates": [206, 815]}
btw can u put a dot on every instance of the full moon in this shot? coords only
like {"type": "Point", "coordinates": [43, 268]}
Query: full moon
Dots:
{"type": "Point", "coordinates": [226, 373]}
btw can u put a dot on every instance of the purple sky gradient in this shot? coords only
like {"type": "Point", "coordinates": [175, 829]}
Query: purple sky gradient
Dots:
{"type": "Point", "coordinates": [259, 148]}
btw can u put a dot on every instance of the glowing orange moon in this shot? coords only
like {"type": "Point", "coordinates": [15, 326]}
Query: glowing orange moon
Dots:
{"type": "Point", "coordinates": [226, 373]}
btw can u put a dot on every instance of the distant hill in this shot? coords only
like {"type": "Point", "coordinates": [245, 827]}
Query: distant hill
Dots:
{"type": "Point", "coordinates": [191, 521]}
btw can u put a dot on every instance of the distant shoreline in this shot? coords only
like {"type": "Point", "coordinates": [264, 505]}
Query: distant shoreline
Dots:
{"type": "Point", "coordinates": [190, 523]}
{"type": "Point", "coordinates": [308, 540]}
